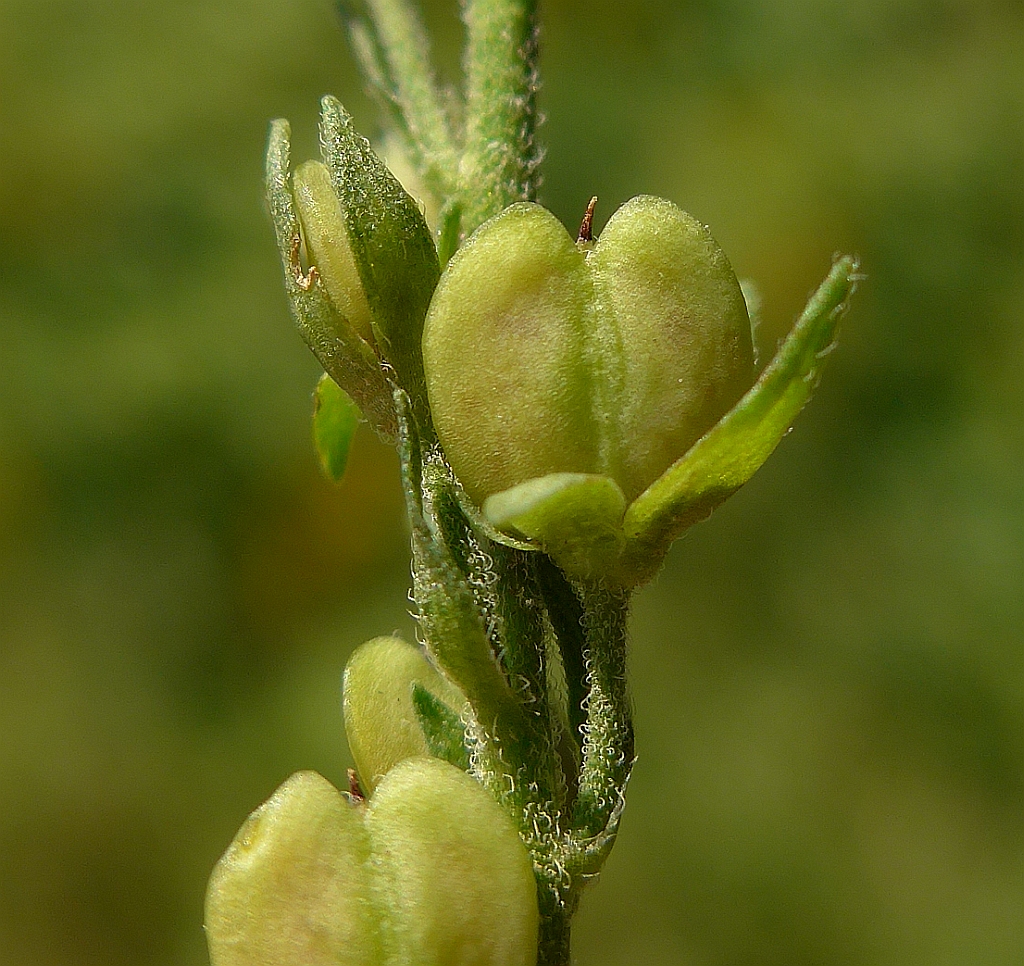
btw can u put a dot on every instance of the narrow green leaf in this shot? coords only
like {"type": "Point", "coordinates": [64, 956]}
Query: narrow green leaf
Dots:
{"type": "Point", "coordinates": [442, 728]}
{"type": "Point", "coordinates": [392, 43]}
{"type": "Point", "coordinates": [369, 56]}
{"type": "Point", "coordinates": [724, 459]}
{"type": "Point", "coordinates": [349, 360]}
{"type": "Point", "coordinates": [391, 243]}
{"type": "Point", "coordinates": [335, 417]}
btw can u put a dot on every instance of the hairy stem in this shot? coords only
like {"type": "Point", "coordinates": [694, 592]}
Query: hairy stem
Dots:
{"type": "Point", "coordinates": [500, 159]}
{"type": "Point", "coordinates": [608, 730]}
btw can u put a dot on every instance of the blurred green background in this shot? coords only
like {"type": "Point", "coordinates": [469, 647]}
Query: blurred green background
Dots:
{"type": "Point", "coordinates": [828, 676]}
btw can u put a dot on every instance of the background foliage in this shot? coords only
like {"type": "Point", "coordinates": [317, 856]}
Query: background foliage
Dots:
{"type": "Point", "coordinates": [828, 676]}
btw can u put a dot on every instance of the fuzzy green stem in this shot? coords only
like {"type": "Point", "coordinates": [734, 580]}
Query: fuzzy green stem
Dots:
{"type": "Point", "coordinates": [608, 738]}
{"type": "Point", "coordinates": [407, 50]}
{"type": "Point", "coordinates": [553, 946]}
{"type": "Point", "coordinates": [500, 160]}
{"type": "Point", "coordinates": [453, 629]}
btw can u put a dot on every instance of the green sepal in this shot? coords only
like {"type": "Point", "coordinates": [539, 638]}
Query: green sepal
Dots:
{"type": "Point", "coordinates": [443, 729]}
{"type": "Point", "coordinates": [576, 518]}
{"type": "Point", "coordinates": [726, 457]}
{"type": "Point", "coordinates": [347, 358]}
{"type": "Point", "coordinates": [335, 418]}
{"type": "Point", "coordinates": [392, 246]}
{"type": "Point", "coordinates": [449, 231]}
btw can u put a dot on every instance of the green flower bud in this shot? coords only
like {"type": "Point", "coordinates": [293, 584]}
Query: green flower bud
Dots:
{"type": "Point", "coordinates": [582, 364]}
{"type": "Point", "coordinates": [372, 264]}
{"type": "Point", "coordinates": [598, 398]}
{"type": "Point", "coordinates": [430, 873]}
{"type": "Point", "coordinates": [387, 693]}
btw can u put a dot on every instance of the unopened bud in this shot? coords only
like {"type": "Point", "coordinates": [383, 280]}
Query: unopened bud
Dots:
{"type": "Point", "coordinates": [566, 376]}
{"type": "Point", "coordinates": [431, 872]}
{"type": "Point", "coordinates": [383, 721]}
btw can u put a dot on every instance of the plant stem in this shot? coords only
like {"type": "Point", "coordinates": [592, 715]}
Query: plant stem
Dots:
{"type": "Point", "coordinates": [608, 731]}
{"type": "Point", "coordinates": [500, 158]}
{"type": "Point", "coordinates": [398, 52]}
{"type": "Point", "coordinates": [453, 628]}
{"type": "Point", "coordinates": [553, 947]}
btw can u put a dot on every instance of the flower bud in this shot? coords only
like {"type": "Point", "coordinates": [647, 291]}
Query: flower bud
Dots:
{"type": "Point", "coordinates": [383, 719]}
{"type": "Point", "coordinates": [372, 264]}
{"type": "Point", "coordinates": [431, 872]}
{"type": "Point", "coordinates": [563, 373]}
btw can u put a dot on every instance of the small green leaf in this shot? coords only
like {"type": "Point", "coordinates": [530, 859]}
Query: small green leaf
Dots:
{"type": "Point", "coordinates": [335, 417]}
{"type": "Point", "coordinates": [392, 46]}
{"type": "Point", "coordinates": [442, 727]}
{"type": "Point", "coordinates": [574, 517]}
{"type": "Point", "coordinates": [726, 457]}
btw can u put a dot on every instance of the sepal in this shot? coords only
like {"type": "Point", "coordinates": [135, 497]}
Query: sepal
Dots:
{"type": "Point", "coordinates": [574, 517]}
{"type": "Point", "coordinates": [391, 245]}
{"type": "Point", "coordinates": [443, 729]}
